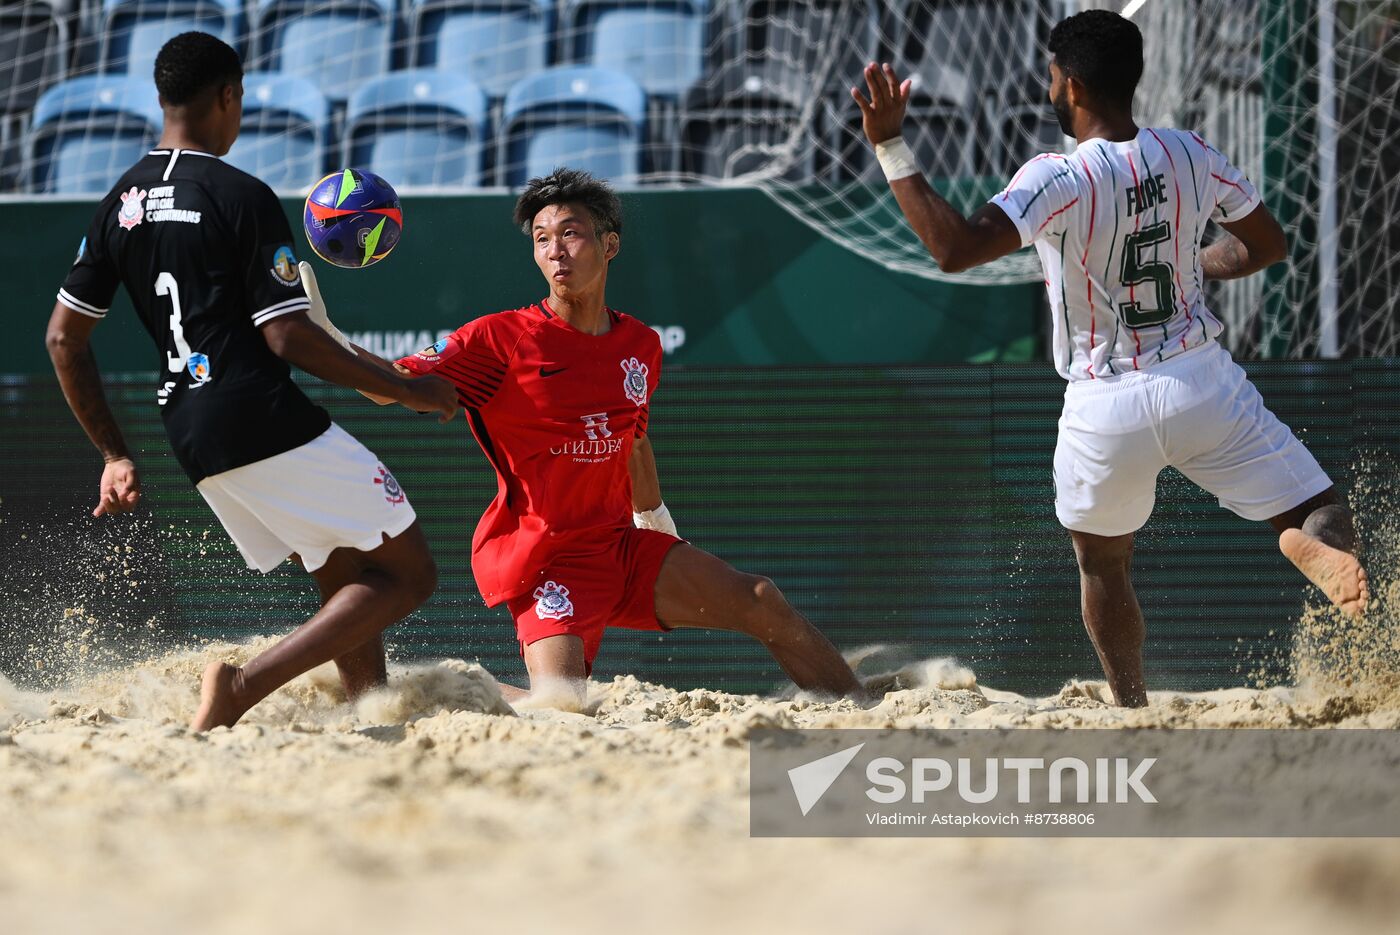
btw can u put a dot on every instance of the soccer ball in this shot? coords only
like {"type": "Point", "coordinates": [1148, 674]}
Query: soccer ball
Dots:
{"type": "Point", "coordinates": [353, 218]}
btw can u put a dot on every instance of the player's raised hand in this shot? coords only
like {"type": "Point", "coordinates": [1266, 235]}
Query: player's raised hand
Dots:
{"type": "Point", "coordinates": [883, 115]}
{"type": "Point", "coordinates": [431, 394]}
{"type": "Point", "coordinates": [120, 488]}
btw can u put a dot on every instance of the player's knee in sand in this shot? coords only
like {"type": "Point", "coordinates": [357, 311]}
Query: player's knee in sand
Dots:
{"type": "Point", "coordinates": [556, 693]}
{"type": "Point", "coordinates": [558, 673]}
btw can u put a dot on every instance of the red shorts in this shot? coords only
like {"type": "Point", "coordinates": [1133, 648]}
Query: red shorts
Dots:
{"type": "Point", "coordinates": [585, 590]}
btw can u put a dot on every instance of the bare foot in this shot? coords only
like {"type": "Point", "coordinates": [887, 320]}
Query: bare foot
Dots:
{"type": "Point", "coordinates": [1337, 573]}
{"type": "Point", "coordinates": [218, 693]}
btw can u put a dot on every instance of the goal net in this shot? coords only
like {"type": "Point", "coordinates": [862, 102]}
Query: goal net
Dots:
{"type": "Point", "coordinates": [462, 95]}
{"type": "Point", "coordinates": [1304, 95]}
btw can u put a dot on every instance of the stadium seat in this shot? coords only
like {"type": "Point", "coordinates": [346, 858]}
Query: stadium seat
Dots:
{"type": "Point", "coordinates": [419, 127]}
{"type": "Point", "coordinates": [943, 45]}
{"type": "Point", "coordinates": [337, 45]}
{"type": "Point", "coordinates": [830, 38]}
{"type": "Point", "coordinates": [35, 45]}
{"type": "Point", "coordinates": [87, 131]}
{"type": "Point", "coordinates": [941, 134]}
{"type": "Point", "coordinates": [660, 43]}
{"type": "Point", "coordinates": [585, 118]}
{"type": "Point", "coordinates": [1022, 131]}
{"type": "Point", "coordinates": [134, 30]}
{"type": "Point", "coordinates": [739, 120]}
{"type": "Point", "coordinates": [285, 121]}
{"type": "Point", "coordinates": [497, 43]}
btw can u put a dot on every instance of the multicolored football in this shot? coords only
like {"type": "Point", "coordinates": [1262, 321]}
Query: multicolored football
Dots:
{"type": "Point", "coordinates": [353, 218]}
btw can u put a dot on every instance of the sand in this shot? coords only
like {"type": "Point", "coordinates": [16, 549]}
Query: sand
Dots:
{"type": "Point", "coordinates": [433, 807]}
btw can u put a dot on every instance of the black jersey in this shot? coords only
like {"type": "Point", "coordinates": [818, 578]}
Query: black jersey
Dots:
{"type": "Point", "coordinates": [205, 253]}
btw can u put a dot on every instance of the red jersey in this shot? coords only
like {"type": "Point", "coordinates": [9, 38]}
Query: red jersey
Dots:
{"type": "Point", "coordinates": [555, 410]}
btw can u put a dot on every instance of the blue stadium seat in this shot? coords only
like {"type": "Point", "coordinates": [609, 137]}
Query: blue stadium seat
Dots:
{"type": "Point", "coordinates": [86, 132]}
{"type": "Point", "coordinates": [584, 118]}
{"type": "Point", "coordinates": [660, 43]}
{"type": "Point", "coordinates": [335, 44]}
{"type": "Point", "coordinates": [497, 43]}
{"type": "Point", "coordinates": [35, 45]}
{"type": "Point", "coordinates": [419, 127]}
{"type": "Point", "coordinates": [134, 30]}
{"type": "Point", "coordinates": [285, 121]}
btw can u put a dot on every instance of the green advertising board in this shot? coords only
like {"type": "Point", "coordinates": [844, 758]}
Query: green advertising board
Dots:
{"type": "Point", "coordinates": [726, 277]}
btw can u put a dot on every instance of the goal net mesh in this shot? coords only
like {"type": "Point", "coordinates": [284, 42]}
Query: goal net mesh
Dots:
{"type": "Point", "coordinates": [461, 95]}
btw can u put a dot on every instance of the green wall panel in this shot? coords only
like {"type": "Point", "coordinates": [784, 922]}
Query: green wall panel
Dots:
{"type": "Point", "coordinates": [746, 282]}
{"type": "Point", "coordinates": [909, 506]}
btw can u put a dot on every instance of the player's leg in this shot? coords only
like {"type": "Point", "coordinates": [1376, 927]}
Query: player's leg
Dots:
{"type": "Point", "coordinates": [558, 668]}
{"type": "Point", "coordinates": [696, 589]}
{"type": "Point", "coordinates": [1107, 458]}
{"type": "Point", "coordinates": [363, 668]}
{"type": "Point", "coordinates": [1258, 469]}
{"type": "Point", "coordinates": [1319, 537]}
{"type": "Point", "coordinates": [559, 625]}
{"type": "Point", "coordinates": [331, 503]}
{"type": "Point", "coordinates": [396, 577]}
{"type": "Point", "coordinates": [1111, 612]}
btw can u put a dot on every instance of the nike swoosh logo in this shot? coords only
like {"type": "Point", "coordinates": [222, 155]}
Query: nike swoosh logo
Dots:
{"type": "Point", "coordinates": [550, 373]}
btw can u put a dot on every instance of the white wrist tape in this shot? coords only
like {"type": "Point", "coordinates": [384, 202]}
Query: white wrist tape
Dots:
{"type": "Point", "coordinates": [658, 519]}
{"type": "Point", "coordinates": [317, 312]}
{"type": "Point", "coordinates": [897, 159]}
{"type": "Point", "coordinates": [340, 339]}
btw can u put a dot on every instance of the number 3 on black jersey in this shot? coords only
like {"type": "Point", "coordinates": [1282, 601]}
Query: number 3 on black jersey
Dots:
{"type": "Point", "coordinates": [1138, 269]}
{"type": "Point", "coordinates": [166, 285]}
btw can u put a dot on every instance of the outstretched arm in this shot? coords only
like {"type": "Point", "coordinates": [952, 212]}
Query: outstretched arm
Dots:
{"type": "Point", "coordinates": [71, 353]}
{"type": "Point", "coordinates": [646, 486]}
{"type": "Point", "coordinates": [392, 373]}
{"type": "Point", "coordinates": [1250, 244]}
{"type": "Point", "coordinates": [648, 510]}
{"type": "Point", "coordinates": [956, 243]}
{"type": "Point", "coordinates": [382, 364]}
{"type": "Point", "coordinates": [298, 341]}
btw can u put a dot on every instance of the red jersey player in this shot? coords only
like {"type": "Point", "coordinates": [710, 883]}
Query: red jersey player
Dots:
{"type": "Point", "coordinates": [578, 538]}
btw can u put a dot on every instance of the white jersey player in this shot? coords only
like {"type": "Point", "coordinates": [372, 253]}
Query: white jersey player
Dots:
{"type": "Point", "coordinates": [1118, 225]}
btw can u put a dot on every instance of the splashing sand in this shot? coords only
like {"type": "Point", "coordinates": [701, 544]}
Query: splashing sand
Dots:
{"type": "Point", "coordinates": [433, 807]}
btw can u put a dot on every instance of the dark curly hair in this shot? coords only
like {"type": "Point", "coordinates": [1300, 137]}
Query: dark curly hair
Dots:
{"type": "Point", "coordinates": [194, 62]}
{"type": "Point", "coordinates": [1103, 50]}
{"type": "Point", "coordinates": [570, 186]}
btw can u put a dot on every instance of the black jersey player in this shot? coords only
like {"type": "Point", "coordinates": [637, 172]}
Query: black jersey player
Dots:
{"type": "Point", "coordinates": [205, 253]}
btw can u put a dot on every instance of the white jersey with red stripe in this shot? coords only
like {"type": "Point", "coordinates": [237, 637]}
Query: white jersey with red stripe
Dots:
{"type": "Point", "coordinates": [1118, 228]}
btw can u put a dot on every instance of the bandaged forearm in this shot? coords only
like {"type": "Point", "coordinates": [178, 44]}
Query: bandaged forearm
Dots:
{"type": "Point", "coordinates": [897, 159]}
{"type": "Point", "coordinates": [317, 311]}
{"type": "Point", "coordinates": [658, 519]}
{"type": "Point", "coordinates": [335, 333]}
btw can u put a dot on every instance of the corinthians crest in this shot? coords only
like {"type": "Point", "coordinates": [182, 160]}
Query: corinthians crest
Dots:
{"type": "Point", "coordinates": [393, 493]}
{"type": "Point", "coordinates": [634, 380]}
{"type": "Point", "coordinates": [131, 212]}
{"type": "Point", "coordinates": [552, 602]}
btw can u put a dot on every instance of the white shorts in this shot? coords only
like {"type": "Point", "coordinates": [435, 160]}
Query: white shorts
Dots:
{"type": "Point", "coordinates": [328, 494]}
{"type": "Point", "coordinates": [1196, 412]}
